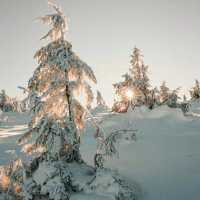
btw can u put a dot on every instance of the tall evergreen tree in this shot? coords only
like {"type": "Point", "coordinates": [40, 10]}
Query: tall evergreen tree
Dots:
{"type": "Point", "coordinates": [55, 90]}
{"type": "Point", "coordinates": [139, 74]}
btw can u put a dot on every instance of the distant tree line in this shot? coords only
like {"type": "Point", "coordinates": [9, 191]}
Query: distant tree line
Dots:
{"type": "Point", "coordinates": [9, 104]}
{"type": "Point", "coordinates": [136, 89]}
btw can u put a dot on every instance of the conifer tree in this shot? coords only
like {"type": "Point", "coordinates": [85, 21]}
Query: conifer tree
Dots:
{"type": "Point", "coordinates": [7, 104]}
{"type": "Point", "coordinates": [139, 74]}
{"type": "Point", "coordinates": [3, 98]}
{"type": "Point", "coordinates": [58, 93]}
{"type": "Point", "coordinates": [164, 93]}
{"type": "Point", "coordinates": [153, 98]}
{"type": "Point", "coordinates": [185, 105]}
{"type": "Point", "coordinates": [195, 91]}
{"type": "Point", "coordinates": [173, 98]}
{"type": "Point", "coordinates": [58, 85]}
{"type": "Point", "coordinates": [167, 96]}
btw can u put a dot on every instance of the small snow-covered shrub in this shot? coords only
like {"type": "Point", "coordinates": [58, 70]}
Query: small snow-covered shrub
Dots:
{"type": "Point", "coordinates": [108, 183]}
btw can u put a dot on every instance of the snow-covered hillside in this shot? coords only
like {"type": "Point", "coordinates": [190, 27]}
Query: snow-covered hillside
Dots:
{"type": "Point", "coordinates": [164, 162]}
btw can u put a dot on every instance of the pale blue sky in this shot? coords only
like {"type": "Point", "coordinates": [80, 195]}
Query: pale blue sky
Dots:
{"type": "Point", "coordinates": [103, 33]}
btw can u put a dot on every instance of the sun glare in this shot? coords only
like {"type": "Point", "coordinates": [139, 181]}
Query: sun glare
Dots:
{"type": "Point", "coordinates": [129, 94]}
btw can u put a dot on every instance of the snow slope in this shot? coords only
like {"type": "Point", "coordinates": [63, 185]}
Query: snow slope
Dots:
{"type": "Point", "coordinates": [164, 162]}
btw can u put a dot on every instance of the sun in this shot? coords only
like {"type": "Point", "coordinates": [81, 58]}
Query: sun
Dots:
{"type": "Point", "coordinates": [129, 93]}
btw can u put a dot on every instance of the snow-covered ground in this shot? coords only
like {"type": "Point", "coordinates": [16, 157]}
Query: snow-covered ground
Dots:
{"type": "Point", "coordinates": [12, 125]}
{"type": "Point", "coordinates": [164, 162]}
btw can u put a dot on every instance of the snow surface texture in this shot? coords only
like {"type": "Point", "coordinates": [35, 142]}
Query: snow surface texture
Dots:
{"type": "Point", "coordinates": [165, 160]}
{"type": "Point", "coordinates": [163, 163]}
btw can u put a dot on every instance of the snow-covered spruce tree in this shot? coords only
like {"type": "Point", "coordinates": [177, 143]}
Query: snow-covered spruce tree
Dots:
{"type": "Point", "coordinates": [53, 168]}
{"type": "Point", "coordinates": [3, 98]}
{"type": "Point", "coordinates": [164, 93]}
{"type": "Point", "coordinates": [168, 97]}
{"type": "Point", "coordinates": [8, 104]}
{"type": "Point", "coordinates": [185, 105]}
{"type": "Point", "coordinates": [195, 91]}
{"type": "Point", "coordinates": [173, 98]}
{"type": "Point", "coordinates": [153, 98]}
{"type": "Point", "coordinates": [57, 116]}
{"type": "Point", "coordinates": [139, 74]}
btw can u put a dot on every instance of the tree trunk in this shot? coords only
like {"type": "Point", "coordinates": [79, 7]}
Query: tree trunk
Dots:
{"type": "Point", "coordinates": [76, 141]}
